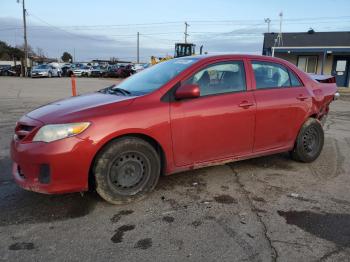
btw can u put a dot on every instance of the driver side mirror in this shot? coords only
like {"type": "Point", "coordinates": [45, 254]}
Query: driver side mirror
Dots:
{"type": "Point", "coordinates": [187, 91]}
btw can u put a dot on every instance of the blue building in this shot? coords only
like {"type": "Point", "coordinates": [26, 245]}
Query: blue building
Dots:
{"type": "Point", "coordinates": [314, 52]}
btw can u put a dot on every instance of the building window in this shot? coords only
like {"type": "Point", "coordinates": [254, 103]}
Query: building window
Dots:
{"type": "Point", "coordinates": [308, 64]}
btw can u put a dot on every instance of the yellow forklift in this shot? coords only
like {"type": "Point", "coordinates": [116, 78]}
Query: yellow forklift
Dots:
{"type": "Point", "coordinates": [181, 50]}
{"type": "Point", "coordinates": [184, 49]}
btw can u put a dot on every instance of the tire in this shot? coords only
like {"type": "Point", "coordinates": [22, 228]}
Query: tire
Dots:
{"type": "Point", "coordinates": [126, 170]}
{"type": "Point", "coordinates": [49, 75]}
{"type": "Point", "coordinates": [309, 143]}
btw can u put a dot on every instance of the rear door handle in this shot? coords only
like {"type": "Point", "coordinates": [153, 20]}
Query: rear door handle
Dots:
{"type": "Point", "coordinates": [302, 97]}
{"type": "Point", "coordinates": [245, 104]}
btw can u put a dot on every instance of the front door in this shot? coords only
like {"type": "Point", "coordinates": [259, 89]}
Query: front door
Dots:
{"type": "Point", "coordinates": [341, 67]}
{"type": "Point", "coordinates": [218, 124]}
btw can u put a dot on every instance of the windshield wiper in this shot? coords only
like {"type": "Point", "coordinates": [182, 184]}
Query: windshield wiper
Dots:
{"type": "Point", "coordinates": [120, 90]}
{"type": "Point", "coordinates": [115, 90]}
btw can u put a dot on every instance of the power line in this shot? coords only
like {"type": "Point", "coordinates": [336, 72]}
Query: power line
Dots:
{"type": "Point", "coordinates": [84, 27]}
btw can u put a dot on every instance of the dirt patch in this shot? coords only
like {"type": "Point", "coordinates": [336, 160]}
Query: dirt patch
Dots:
{"type": "Point", "coordinates": [196, 223]}
{"type": "Point", "coordinates": [225, 199]}
{"type": "Point", "coordinates": [119, 233]}
{"type": "Point", "coordinates": [145, 243]}
{"type": "Point", "coordinates": [32, 208]}
{"type": "Point", "coordinates": [22, 246]}
{"type": "Point", "coordinates": [168, 219]}
{"type": "Point", "coordinates": [120, 214]}
{"type": "Point", "coordinates": [332, 227]}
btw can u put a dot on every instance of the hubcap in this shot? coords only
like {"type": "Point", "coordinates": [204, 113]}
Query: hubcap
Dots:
{"type": "Point", "coordinates": [128, 171]}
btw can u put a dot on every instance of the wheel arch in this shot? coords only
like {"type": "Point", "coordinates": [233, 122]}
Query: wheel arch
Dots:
{"type": "Point", "coordinates": [152, 141]}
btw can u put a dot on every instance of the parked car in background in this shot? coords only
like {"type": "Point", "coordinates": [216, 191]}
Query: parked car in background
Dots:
{"type": "Point", "coordinates": [111, 71]}
{"type": "Point", "coordinates": [82, 71]}
{"type": "Point", "coordinates": [45, 70]}
{"type": "Point", "coordinates": [98, 71]}
{"type": "Point", "coordinates": [67, 70]}
{"type": "Point", "coordinates": [125, 71]}
{"type": "Point", "coordinates": [138, 67]}
{"type": "Point", "coordinates": [178, 115]}
{"type": "Point", "coordinates": [4, 70]}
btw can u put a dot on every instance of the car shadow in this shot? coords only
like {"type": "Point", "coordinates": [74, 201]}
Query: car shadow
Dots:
{"type": "Point", "coordinates": [19, 206]}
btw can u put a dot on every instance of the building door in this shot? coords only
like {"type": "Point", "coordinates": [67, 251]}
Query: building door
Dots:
{"type": "Point", "coordinates": [341, 70]}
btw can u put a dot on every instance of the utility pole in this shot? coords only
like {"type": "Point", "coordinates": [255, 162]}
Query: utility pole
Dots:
{"type": "Point", "coordinates": [279, 40]}
{"type": "Point", "coordinates": [268, 21]}
{"type": "Point", "coordinates": [25, 38]}
{"type": "Point", "coordinates": [138, 47]}
{"type": "Point", "coordinates": [280, 43]}
{"type": "Point", "coordinates": [186, 35]}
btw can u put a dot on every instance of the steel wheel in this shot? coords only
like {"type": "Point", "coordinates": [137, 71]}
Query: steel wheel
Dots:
{"type": "Point", "coordinates": [128, 173]}
{"type": "Point", "coordinates": [309, 142]}
{"type": "Point", "coordinates": [126, 170]}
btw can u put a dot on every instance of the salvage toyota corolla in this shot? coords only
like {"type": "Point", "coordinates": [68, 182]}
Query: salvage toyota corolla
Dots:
{"type": "Point", "coordinates": [178, 115]}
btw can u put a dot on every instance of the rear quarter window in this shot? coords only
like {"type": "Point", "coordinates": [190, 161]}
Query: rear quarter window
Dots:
{"type": "Point", "coordinates": [294, 79]}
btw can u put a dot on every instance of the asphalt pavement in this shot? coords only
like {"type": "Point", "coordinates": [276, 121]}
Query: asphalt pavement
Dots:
{"type": "Point", "coordinates": [265, 209]}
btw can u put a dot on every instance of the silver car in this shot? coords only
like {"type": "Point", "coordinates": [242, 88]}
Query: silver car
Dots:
{"type": "Point", "coordinates": [45, 71]}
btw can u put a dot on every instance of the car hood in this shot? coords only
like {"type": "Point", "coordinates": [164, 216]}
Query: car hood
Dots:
{"type": "Point", "coordinates": [80, 108]}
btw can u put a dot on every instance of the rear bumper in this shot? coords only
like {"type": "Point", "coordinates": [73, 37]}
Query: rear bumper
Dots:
{"type": "Point", "coordinates": [52, 168]}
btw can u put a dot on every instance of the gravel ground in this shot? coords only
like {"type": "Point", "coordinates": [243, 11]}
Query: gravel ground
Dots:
{"type": "Point", "coordinates": [265, 209]}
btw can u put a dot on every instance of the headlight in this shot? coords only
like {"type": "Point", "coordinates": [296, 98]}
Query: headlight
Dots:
{"type": "Point", "coordinates": [49, 133]}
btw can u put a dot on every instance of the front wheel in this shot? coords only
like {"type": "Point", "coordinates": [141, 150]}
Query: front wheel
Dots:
{"type": "Point", "coordinates": [309, 143]}
{"type": "Point", "coordinates": [126, 170]}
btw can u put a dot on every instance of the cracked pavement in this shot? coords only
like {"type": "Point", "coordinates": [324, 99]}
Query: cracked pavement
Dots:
{"type": "Point", "coordinates": [265, 209]}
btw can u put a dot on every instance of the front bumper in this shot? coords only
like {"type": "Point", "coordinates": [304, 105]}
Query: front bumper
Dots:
{"type": "Point", "coordinates": [61, 166]}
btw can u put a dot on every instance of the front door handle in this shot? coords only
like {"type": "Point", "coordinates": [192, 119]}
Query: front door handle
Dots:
{"type": "Point", "coordinates": [245, 104]}
{"type": "Point", "coordinates": [302, 97]}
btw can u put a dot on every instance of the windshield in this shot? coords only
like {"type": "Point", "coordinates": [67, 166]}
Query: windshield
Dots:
{"type": "Point", "coordinates": [156, 76]}
{"type": "Point", "coordinates": [42, 67]}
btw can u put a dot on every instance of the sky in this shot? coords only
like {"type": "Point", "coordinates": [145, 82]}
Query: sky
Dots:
{"type": "Point", "coordinates": [108, 28]}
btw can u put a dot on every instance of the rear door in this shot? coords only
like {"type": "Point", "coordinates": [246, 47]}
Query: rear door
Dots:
{"type": "Point", "coordinates": [282, 103]}
{"type": "Point", "coordinates": [218, 124]}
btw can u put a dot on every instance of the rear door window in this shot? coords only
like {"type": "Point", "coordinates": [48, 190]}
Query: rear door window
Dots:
{"type": "Point", "coordinates": [270, 75]}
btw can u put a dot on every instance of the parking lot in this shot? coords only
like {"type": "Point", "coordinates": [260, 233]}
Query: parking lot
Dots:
{"type": "Point", "coordinates": [265, 209]}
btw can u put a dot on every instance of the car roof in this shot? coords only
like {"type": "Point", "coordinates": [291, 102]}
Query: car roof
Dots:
{"type": "Point", "coordinates": [232, 56]}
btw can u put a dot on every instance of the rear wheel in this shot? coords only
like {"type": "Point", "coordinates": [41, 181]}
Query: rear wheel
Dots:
{"type": "Point", "coordinates": [126, 170]}
{"type": "Point", "coordinates": [309, 143]}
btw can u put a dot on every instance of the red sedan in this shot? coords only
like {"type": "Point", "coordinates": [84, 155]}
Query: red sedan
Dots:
{"type": "Point", "coordinates": [178, 115]}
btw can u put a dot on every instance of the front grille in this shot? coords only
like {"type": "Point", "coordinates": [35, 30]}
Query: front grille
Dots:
{"type": "Point", "coordinates": [23, 130]}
